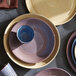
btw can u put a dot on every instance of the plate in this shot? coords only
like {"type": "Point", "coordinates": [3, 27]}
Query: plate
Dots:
{"type": "Point", "coordinates": [20, 62]}
{"type": "Point", "coordinates": [57, 11]}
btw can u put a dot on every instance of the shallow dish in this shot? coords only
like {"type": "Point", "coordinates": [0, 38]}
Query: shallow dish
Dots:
{"type": "Point", "coordinates": [39, 48]}
{"type": "Point", "coordinates": [53, 72]}
{"type": "Point", "coordinates": [68, 51]}
{"type": "Point", "coordinates": [57, 11]}
{"type": "Point", "coordinates": [25, 64]}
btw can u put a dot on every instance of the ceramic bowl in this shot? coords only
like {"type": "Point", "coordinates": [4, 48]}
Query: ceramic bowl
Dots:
{"type": "Point", "coordinates": [73, 51]}
{"type": "Point", "coordinates": [53, 72]}
{"type": "Point", "coordinates": [53, 35]}
{"type": "Point", "coordinates": [41, 45]}
{"type": "Point", "coordinates": [57, 11]}
{"type": "Point", "coordinates": [68, 51]}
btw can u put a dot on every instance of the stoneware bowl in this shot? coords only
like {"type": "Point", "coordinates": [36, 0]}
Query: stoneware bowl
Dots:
{"type": "Point", "coordinates": [73, 51]}
{"type": "Point", "coordinates": [57, 11]}
{"type": "Point", "coordinates": [25, 34]}
{"type": "Point", "coordinates": [69, 51]}
{"type": "Point", "coordinates": [36, 50]}
{"type": "Point", "coordinates": [7, 70]}
{"type": "Point", "coordinates": [53, 72]}
{"type": "Point", "coordinates": [41, 50]}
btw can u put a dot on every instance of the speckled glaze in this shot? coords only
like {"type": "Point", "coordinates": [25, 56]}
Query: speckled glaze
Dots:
{"type": "Point", "coordinates": [39, 48]}
{"type": "Point", "coordinates": [53, 72]}
{"type": "Point", "coordinates": [68, 51]}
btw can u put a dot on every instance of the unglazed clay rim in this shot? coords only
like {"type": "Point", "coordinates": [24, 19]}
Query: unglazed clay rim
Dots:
{"type": "Point", "coordinates": [54, 68]}
{"type": "Point", "coordinates": [21, 63]}
{"type": "Point", "coordinates": [28, 2]}
{"type": "Point", "coordinates": [70, 50]}
{"type": "Point", "coordinates": [53, 46]}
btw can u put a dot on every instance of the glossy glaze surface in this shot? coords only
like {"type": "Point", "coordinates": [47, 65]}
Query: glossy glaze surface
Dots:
{"type": "Point", "coordinates": [68, 51]}
{"type": "Point", "coordinates": [57, 11]}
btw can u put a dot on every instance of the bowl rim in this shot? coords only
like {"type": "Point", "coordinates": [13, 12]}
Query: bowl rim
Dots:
{"type": "Point", "coordinates": [52, 33]}
{"type": "Point", "coordinates": [68, 43]}
{"type": "Point", "coordinates": [21, 63]}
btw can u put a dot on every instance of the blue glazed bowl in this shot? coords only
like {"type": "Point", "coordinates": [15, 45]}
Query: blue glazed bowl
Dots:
{"type": "Point", "coordinates": [73, 51]}
{"type": "Point", "coordinates": [25, 34]}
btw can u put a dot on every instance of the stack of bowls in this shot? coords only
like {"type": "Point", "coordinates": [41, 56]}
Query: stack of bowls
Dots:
{"type": "Point", "coordinates": [38, 52]}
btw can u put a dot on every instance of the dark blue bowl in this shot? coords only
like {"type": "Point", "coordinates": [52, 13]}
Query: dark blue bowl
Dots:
{"type": "Point", "coordinates": [25, 34]}
{"type": "Point", "coordinates": [73, 50]}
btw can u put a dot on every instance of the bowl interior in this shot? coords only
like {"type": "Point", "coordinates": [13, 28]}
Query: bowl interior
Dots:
{"type": "Point", "coordinates": [68, 51]}
{"type": "Point", "coordinates": [73, 51]}
{"type": "Point", "coordinates": [39, 48]}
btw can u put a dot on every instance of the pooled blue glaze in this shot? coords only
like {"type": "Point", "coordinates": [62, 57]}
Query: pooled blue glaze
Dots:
{"type": "Point", "coordinates": [73, 50]}
{"type": "Point", "coordinates": [25, 34]}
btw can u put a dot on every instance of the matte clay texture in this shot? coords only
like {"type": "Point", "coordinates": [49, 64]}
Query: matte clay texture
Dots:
{"type": "Point", "coordinates": [53, 72]}
{"type": "Point", "coordinates": [68, 51]}
{"type": "Point", "coordinates": [57, 11]}
{"type": "Point", "coordinates": [39, 48]}
{"type": "Point", "coordinates": [9, 4]}
{"type": "Point", "coordinates": [73, 51]}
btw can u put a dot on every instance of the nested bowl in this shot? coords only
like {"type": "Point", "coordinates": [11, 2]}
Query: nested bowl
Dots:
{"type": "Point", "coordinates": [57, 11]}
{"type": "Point", "coordinates": [53, 72]}
{"type": "Point", "coordinates": [41, 50]}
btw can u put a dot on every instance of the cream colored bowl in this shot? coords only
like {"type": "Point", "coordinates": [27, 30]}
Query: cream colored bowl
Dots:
{"type": "Point", "coordinates": [57, 11]}
{"type": "Point", "coordinates": [18, 61]}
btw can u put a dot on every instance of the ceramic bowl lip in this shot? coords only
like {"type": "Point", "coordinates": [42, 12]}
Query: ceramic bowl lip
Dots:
{"type": "Point", "coordinates": [72, 50]}
{"type": "Point", "coordinates": [18, 33]}
{"type": "Point", "coordinates": [54, 40]}
{"type": "Point", "coordinates": [67, 50]}
{"type": "Point", "coordinates": [54, 68]}
{"type": "Point", "coordinates": [21, 63]}
{"type": "Point", "coordinates": [34, 12]}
